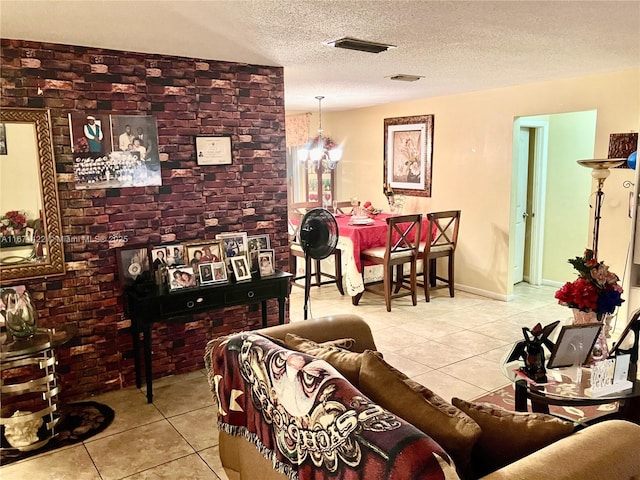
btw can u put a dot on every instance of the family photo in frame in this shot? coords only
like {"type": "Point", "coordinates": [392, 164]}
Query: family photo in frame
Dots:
{"type": "Point", "coordinates": [266, 262]}
{"type": "Point", "coordinates": [181, 277]}
{"type": "Point", "coordinates": [234, 245]}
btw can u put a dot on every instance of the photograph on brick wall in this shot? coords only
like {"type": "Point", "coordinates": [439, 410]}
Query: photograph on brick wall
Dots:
{"type": "Point", "coordinates": [114, 151]}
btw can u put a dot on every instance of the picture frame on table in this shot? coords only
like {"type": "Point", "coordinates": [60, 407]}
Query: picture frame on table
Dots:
{"type": "Point", "coordinates": [234, 244]}
{"type": "Point", "coordinates": [564, 353]}
{"type": "Point", "coordinates": [408, 154]}
{"type": "Point", "coordinates": [255, 244]}
{"type": "Point", "coordinates": [159, 257]}
{"type": "Point", "coordinates": [219, 272]}
{"type": "Point", "coordinates": [204, 252]}
{"type": "Point", "coordinates": [205, 271]}
{"type": "Point", "coordinates": [175, 254]}
{"type": "Point", "coordinates": [181, 277]}
{"type": "Point", "coordinates": [266, 262]}
{"type": "Point", "coordinates": [134, 265]}
{"type": "Point", "coordinates": [240, 268]}
{"type": "Point", "coordinates": [214, 150]}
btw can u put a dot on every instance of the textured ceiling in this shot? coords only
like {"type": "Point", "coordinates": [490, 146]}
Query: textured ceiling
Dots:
{"type": "Point", "coordinates": [457, 46]}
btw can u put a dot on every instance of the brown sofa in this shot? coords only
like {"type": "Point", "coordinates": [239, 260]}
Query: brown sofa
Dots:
{"type": "Point", "coordinates": [604, 450]}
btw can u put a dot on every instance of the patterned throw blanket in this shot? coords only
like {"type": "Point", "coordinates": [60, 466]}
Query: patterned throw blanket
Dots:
{"type": "Point", "coordinates": [311, 422]}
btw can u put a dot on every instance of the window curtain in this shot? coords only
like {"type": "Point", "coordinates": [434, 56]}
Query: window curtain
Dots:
{"type": "Point", "coordinates": [297, 129]}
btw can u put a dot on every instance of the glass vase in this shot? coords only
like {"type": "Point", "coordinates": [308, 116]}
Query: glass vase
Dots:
{"type": "Point", "coordinates": [20, 316]}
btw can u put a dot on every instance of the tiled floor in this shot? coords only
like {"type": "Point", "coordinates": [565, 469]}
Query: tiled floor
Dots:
{"type": "Point", "coordinates": [451, 345]}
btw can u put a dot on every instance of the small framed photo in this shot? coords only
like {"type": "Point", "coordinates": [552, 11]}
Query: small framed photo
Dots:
{"type": "Point", "coordinates": [574, 345]}
{"type": "Point", "coordinates": [29, 235]}
{"type": "Point", "coordinates": [213, 150]}
{"type": "Point", "coordinates": [205, 271]}
{"type": "Point", "coordinates": [266, 262]}
{"type": "Point", "coordinates": [219, 272]}
{"type": "Point", "coordinates": [240, 268]}
{"type": "Point", "coordinates": [159, 257]}
{"type": "Point", "coordinates": [234, 245]}
{"type": "Point", "coordinates": [133, 265]}
{"type": "Point", "coordinates": [257, 243]}
{"type": "Point", "coordinates": [181, 277]}
{"type": "Point", "coordinates": [175, 254]}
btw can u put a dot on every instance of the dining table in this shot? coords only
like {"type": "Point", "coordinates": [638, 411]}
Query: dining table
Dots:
{"type": "Point", "coordinates": [354, 237]}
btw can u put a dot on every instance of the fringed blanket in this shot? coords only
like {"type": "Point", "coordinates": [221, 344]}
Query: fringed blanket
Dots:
{"type": "Point", "coordinates": [311, 422]}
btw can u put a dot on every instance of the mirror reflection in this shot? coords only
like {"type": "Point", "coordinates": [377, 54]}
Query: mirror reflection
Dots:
{"type": "Point", "coordinates": [30, 230]}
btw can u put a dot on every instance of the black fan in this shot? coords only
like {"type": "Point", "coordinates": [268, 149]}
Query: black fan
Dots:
{"type": "Point", "coordinates": [318, 238]}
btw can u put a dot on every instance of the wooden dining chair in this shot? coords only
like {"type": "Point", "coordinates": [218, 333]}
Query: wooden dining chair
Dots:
{"type": "Point", "coordinates": [295, 216]}
{"type": "Point", "coordinates": [444, 229]}
{"type": "Point", "coordinates": [403, 241]}
{"type": "Point", "coordinates": [344, 208]}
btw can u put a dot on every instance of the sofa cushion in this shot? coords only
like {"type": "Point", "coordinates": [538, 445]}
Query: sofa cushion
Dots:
{"type": "Point", "coordinates": [509, 436]}
{"type": "Point", "coordinates": [346, 362]}
{"type": "Point", "coordinates": [394, 391]}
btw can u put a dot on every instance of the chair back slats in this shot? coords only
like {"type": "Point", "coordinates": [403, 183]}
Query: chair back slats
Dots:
{"type": "Point", "coordinates": [293, 225]}
{"type": "Point", "coordinates": [303, 207]}
{"type": "Point", "coordinates": [344, 208]}
{"type": "Point", "coordinates": [403, 235]}
{"type": "Point", "coordinates": [445, 225]}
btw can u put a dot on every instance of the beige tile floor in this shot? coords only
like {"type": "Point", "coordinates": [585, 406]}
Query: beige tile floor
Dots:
{"type": "Point", "coordinates": [451, 345]}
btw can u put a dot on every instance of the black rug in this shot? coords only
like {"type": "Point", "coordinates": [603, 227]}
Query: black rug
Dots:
{"type": "Point", "coordinates": [80, 421]}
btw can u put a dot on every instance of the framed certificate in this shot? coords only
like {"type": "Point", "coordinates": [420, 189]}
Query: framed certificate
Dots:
{"type": "Point", "coordinates": [213, 150]}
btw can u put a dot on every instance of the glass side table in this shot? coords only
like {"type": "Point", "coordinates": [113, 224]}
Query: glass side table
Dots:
{"type": "Point", "coordinates": [567, 387]}
{"type": "Point", "coordinates": [28, 382]}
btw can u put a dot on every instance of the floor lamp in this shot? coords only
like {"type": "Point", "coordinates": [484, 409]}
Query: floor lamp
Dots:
{"type": "Point", "coordinates": [600, 172]}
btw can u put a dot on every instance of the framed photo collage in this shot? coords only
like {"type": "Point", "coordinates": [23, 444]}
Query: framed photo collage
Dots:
{"type": "Point", "coordinates": [185, 265]}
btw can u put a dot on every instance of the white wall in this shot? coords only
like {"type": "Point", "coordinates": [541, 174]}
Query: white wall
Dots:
{"type": "Point", "coordinates": [473, 137]}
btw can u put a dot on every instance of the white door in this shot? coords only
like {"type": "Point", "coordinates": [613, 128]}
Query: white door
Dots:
{"type": "Point", "coordinates": [521, 205]}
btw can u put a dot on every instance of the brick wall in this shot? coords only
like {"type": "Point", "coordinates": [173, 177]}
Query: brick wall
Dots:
{"type": "Point", "coordinates": [188, 97]}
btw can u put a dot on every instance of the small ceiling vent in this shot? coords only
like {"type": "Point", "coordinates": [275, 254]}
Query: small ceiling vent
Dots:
{"type": "Point", "coordinates": [360, 45]}
{"type": "Point", "coordinates": [406, 78]}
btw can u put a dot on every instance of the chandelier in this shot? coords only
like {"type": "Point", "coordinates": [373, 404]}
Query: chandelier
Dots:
{"type": "Point", "coordinates": [321, 150]}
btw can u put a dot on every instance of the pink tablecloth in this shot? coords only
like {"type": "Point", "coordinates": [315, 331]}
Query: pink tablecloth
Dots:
{"type": "Point", "coordinates": [370, 236]}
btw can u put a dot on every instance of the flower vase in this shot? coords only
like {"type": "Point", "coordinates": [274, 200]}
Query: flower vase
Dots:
{"type": "Point", "coordinates": [600, 350]}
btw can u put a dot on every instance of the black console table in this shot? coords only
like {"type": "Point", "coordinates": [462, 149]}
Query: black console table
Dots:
{"type": "Point", "coordinates": [147, 305]}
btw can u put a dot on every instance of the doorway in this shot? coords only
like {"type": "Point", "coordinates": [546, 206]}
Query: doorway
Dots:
{"type": "Point", "coordinates": [550, 196]}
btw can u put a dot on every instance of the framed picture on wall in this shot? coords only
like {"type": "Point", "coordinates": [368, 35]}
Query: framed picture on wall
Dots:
{"type": "Point", "coordinates": [213, 150]}
{"type": "Point", "coordinates": [133, 265]}
{"type": "Point", "coordinates": [408, 154]}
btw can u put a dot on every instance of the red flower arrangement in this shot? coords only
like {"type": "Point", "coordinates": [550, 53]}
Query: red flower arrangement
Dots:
{"type": "Point", "coordinates": [13, 223]}
{"type": "Point", "coordinates": [595, 290]}
{"type": "Point", "coordinates": [326, 142]}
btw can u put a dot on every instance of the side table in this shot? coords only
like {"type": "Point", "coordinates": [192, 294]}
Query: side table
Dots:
{"type": "Point", "coordinates": [28, 381]}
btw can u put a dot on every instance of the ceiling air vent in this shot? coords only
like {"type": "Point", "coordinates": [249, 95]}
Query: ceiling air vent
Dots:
{"type": "Point", "coordinates": [360, 45]}
{"type": "Point", "coordinates": [406, 78]}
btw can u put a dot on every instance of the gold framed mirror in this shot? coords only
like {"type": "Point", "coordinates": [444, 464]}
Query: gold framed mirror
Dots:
{"type": "Point", "coordinates": [31, 241]}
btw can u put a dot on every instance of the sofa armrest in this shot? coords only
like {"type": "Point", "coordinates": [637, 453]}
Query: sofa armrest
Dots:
{"type": "Point", "coordinates": [603, 450]}
{"type": "Point", "coordinates": [323, 329]}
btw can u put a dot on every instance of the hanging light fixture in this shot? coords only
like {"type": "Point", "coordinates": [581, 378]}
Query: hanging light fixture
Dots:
{"type": "Point", "coordinates": [320, 151]}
